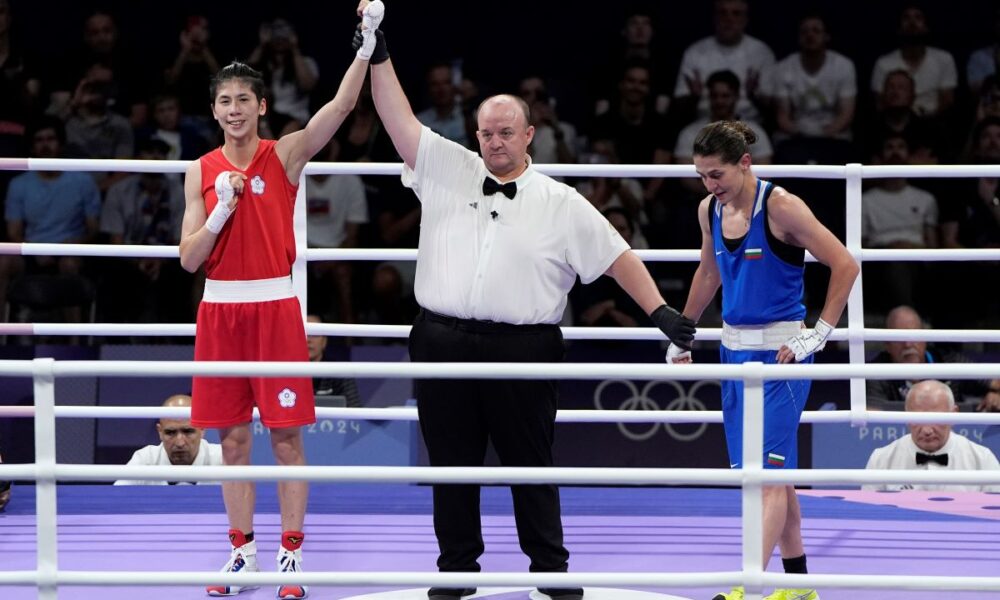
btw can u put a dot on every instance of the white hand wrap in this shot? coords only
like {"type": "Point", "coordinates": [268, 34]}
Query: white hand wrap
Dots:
{"type": "Point", "coordinates": [220, 214]}
{"type": "Point", "coordinates": [675, 353]}
{"type": "Point", "coordinates": [371, 18]}
{"type": "Point", "coordinates": [810, 341]}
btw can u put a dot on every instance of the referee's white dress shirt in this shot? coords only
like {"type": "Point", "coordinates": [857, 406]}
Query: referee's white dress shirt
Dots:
{"type": "Point", "coordinates": [209, 455]}
{"type": "Point", "coordinates": [963, 454]}
{"type": "Point", "coordinates": [496, 259]}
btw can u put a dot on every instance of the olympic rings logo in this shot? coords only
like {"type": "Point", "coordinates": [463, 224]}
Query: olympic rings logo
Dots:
{"type": "Point", "coordinates": [681, 399]}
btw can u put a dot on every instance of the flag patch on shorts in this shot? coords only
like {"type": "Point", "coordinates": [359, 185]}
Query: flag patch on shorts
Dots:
{"type": "Point", "coordinates": [753, 254]}
{"type": "Point", "coordinates": [286, 398]}
{"type": "Point", "coordinates": [775, 459]}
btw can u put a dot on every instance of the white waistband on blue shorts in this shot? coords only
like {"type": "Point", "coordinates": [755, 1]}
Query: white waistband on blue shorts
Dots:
{"type": "Point", "coordinates": [771, 336]}
{"type": "Point", "coordinates": [254, 290]}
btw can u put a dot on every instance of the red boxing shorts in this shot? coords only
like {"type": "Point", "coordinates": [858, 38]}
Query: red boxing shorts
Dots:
{"type": "Point", "coordinates": [258, 330]}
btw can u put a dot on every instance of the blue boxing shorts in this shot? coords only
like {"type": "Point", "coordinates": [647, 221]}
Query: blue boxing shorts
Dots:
{"type": "Point", "coordinates": [783, 405]}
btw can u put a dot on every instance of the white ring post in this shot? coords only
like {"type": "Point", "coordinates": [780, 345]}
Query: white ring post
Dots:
{"type": "Point", "coordinates": [753, 505]}
{"type": "Point", "coordinates": [299, 224]}
{"type": "Point", "coordinates": [855, 302]}
{"type": "Point", "coordinates": [43, 370]}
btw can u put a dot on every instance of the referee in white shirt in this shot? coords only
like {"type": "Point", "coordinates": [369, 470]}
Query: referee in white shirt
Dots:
{"type": "Point", "coordinates": [500, 247]}
{"type": "Point", "coordinates": [932, 446]}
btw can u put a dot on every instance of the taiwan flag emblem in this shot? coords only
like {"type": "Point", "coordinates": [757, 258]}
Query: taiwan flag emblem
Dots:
{"type": "Point", "coordinates": [753, 254]}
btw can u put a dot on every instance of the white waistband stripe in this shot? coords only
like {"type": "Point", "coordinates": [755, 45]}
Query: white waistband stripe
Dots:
{"type": "Point", "coordinates": [256, 290]}
{"type": "Point", "coordinates": [771, 336]}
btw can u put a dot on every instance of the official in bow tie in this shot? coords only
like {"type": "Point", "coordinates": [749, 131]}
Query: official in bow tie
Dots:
{"type": "Point", "coordinates": [491, 186]}
{"type": "Point", "coordinates": [923, 458]}
{"type": "Point", "coordinates": [932, 445]}
{"type": "Point", "coordinates": [500, 247]}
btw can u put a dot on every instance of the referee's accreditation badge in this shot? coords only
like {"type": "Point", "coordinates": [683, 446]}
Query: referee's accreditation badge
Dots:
{"type": "Point", "coordinates": [753, 254]}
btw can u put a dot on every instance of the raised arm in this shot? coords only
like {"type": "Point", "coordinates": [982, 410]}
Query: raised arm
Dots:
{"type": "Point", "coordinates": [395, 112]}
{"type": "Point", "coordinates": [297, 148]}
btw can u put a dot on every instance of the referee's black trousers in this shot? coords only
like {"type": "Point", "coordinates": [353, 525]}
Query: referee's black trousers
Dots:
{"type": "Point", "coordinates": [459, 416]}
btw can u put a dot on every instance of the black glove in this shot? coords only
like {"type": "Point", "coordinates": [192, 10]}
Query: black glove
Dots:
{"type": "Point", "coordinates": [675, 326]}
{"type": "Point", "coordinates": [380, 54]}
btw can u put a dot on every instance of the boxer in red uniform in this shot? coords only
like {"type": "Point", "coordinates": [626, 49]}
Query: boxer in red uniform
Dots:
{"type": "Point", "coordinates": [238, 224]}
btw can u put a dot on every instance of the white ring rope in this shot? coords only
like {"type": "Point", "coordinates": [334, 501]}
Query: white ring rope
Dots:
{"type": "Point", "coordinates": [452, 579]}
{"type": "Point", "coordinates": [559, 170]}
{"type": "Point", "coordinates": [403, 331]}
{"type": "Point", "coordinates": [473, 370]}
{"type": "Point", "coordinates": [562, 416]}
{"type": "Point", "coordinates": [44, 371]}
{"type": "Point", "coordinates": [611, 476]}
{"type": "Point", "coordinates": [383, 254]}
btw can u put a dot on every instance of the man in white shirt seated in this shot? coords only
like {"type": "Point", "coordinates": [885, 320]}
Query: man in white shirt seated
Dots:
{"type": "Point", "coordinates": [931, 446]}
{"type": "Point", "coordinates": [180, 444]}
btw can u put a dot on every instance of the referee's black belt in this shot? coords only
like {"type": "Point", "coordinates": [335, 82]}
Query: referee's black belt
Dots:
{"type": "Point", "coordinates": [478, 326]}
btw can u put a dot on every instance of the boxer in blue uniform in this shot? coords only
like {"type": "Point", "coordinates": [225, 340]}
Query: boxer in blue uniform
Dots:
{"type": "Point", "coordinates": [754, 238]}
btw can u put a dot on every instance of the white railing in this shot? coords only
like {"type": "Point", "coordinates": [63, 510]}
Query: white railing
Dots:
{"type": "Point", "coordinates": [752, 476]}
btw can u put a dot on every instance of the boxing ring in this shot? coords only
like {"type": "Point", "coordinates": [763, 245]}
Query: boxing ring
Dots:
{"type": "Point", "coordinates": [370, 534]}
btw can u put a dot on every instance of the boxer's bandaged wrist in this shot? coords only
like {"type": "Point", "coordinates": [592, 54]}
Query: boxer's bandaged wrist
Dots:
{"type": "Point", "coordinates": [370, 20]}
{"type": "Point", "coordinates": [367, 43]}
{"type": "Point", "coordinates": [217, 219]}
{"type": "Point", "coordinates": [224, 187]}
{"type": "Point", "coordinates": [823, 328]}
{"type": "Point", "coordinates": [220, 214]}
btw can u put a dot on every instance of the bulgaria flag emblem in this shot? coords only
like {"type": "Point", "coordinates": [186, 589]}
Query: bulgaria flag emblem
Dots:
{"type": "Point", "coordinates": [775, 460]}
{"type": "Point", "coordinates": [753, 254]}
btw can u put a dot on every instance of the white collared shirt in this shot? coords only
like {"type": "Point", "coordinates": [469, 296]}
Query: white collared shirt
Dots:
{"type": "Point", "coordinates": [515, 267]}
{"type": "Point", "coordinates": [963, 454]}
{"type": "Point", "coordinates": [150, 456]}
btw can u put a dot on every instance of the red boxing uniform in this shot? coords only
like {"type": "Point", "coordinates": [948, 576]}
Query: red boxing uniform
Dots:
{"type": "Point", "coordinates": [238, 320]}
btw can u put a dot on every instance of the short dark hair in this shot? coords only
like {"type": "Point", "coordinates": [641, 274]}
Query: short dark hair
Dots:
{"type": "Point", "coordinates": [617, 210]}
{"type": "Point", "coordinates": [153, 146]}
{"type": "Point", "coordinates": [729, 140]}
{"type": "Point", "coordinates": [982, 125]}
{"type": "Point", "coordinates": [242, 72]}
{"type": "Point", "coordinates": [724, 76]}
{"type": "Point", "coordinates": [165, 96]}
{"type": "Point", "coordinates": [47, 122]}
{"type": "Point", "coordinates": [900, 73]}
{"type": "Point", "coordinates": [813, 12]}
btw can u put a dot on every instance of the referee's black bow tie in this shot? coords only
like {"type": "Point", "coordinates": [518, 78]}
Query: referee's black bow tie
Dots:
{"type": "Point", "coordinates": [923, 459]}
{"type": "Point", "coordinates": [491, 186]}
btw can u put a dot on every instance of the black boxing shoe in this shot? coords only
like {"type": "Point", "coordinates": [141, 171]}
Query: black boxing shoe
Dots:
{"type": "Point", "coordinates": [562, 593]}
{"type": "Point", "coordinates": [449, 593]}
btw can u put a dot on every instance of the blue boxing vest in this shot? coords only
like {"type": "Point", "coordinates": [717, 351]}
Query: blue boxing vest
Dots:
{"type": "Point", "coordinates": [758, 285]}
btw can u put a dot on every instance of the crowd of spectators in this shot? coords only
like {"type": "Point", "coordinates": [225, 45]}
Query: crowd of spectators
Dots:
{"type": "Point", "coordinates": [918, 104]}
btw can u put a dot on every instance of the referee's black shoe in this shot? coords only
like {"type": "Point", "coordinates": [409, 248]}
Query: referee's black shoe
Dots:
{"type": "Point", "coordinates": [562, 593]}
{"type": "Point", "coordinates": [449, 593]}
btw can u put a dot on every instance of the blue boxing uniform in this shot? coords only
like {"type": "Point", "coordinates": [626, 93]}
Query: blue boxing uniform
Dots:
{"type": "Point", "coordinates": [762, 288]}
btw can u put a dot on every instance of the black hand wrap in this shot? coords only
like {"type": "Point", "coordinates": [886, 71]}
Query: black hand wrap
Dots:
{"type": "Point", "coordinates": [380, 54]}
{"type": "Point", "coordinates": [675, 326]}
{"type": "Point", "coordinates": [358, 40]}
